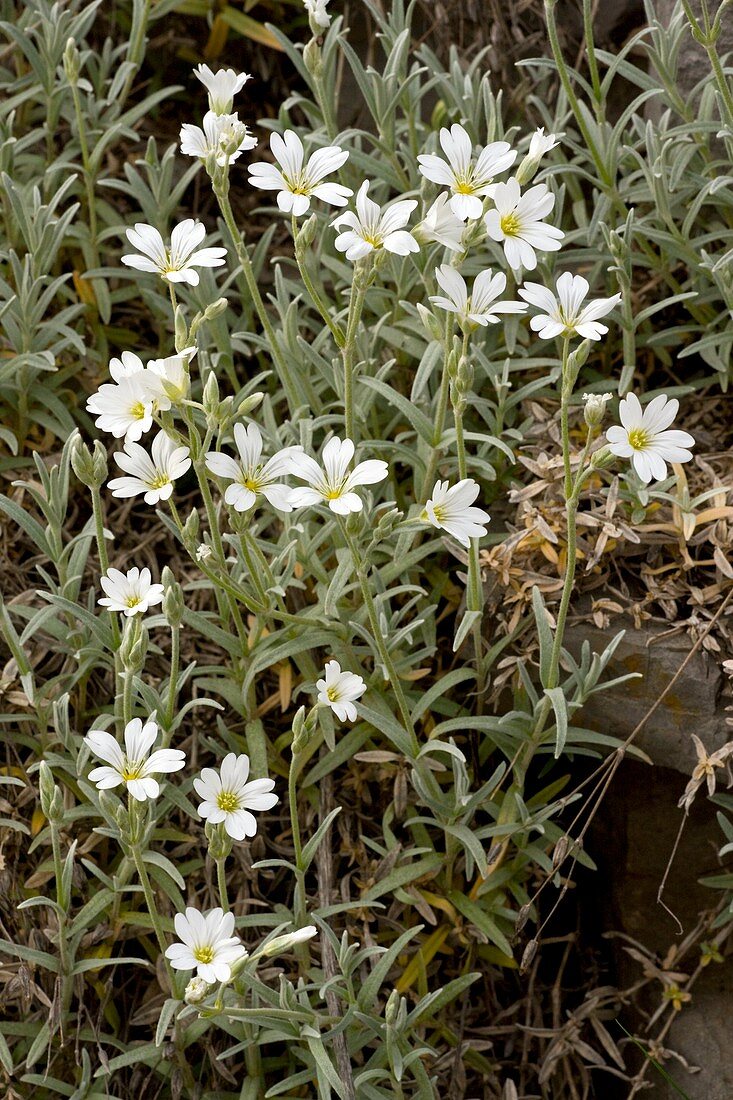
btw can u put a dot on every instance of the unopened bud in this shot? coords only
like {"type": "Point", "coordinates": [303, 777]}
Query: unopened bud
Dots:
{"type": "Point", "coordinates": [602, 459]}
{"type": "Point", "coordinates": [594, 408]}
{"type": "Point", "coordinates": [307, 233]}
{"type": "Point", "coordinates": [303, 726]}
{"type": "Point", "coordinates": [196, 991]}
{"type": "Point", "coordinates": [211, 395]}
{"type": "Point", "coordinates": [134, 645]}
{"type": "Point", "coordinates": [312, 54]}
{"type": "Point", "coordinates": [220, 843]}
{"type": "Point", "coordinates": [430, 322]}
{"type": "Point", "coordinates": [279, 944]}
{"type": "Point", "coordinates": [561, 850]}
{"type": "Point", "coordinates": [72, 61]}
{"type": "Point", "coordinates": [249, 404]}
{"type": "Point", "coordinates": [392, 1008]}
{"type": "Point", "coordinates": [355, 524]}
{"type": "Point", "coordinates": [191, 527]}
{"type": "Point", "coordinates": [180, 329]}
{"type": "Point", "coordinates": [46, 787]}
{"type": "Point", "coordinates": [173, 603]}
{"type": "Point", "coordinates": [522, 917]}
{"type": "Point", "coordinates": [90, 466]}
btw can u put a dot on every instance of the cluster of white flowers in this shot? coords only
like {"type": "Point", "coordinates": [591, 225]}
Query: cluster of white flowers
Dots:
{"type": "Point", "coordinates": [474, 207]}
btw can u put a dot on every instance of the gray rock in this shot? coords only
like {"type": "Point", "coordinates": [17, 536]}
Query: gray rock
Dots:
{"type": "Point", "coordinates": [694, 704]}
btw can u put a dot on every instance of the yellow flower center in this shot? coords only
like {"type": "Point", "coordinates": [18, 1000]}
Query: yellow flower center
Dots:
{"type": "Point", "coordinates": [227, 801]}
{"type": "Point", "coordinates": [203, 954]}
{"type": "Point", "coordinates": [251, 483]}
{"type": "Point", "coordinates": [510, 225]}
{"type": "Point", "coordinates": [131, 770]}
{"type": "Point", "coordinates": [132, 601]}
{"type": "Point", "coordinates": [333, 694]}
{"type": "Point", "coordinates": [138, 410]}
{"type": "Point", "coordinates": [638, 439]}
{"type": "Point", "coordinates": [464, 187]}
{"type": "Point", "coordinates": [159, 481]}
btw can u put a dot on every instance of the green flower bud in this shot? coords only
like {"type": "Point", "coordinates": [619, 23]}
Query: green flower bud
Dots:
{"type": "Point", "coordinates": [220, 843]}
{"type": "Point", "coordinates": [312, 55]}
{"type": "Point", "coordinates": [173, 602]}
{"type": "Point", "coordinates": [430, 323]}
{"type": "Point", "coordinates": [72, 62]}
{"type": "Point", "coordinates": [191, 527]}
{"type": "Point", "coordinates": [89, 466]}
{"type": "Point", "coordinates": [355, 524]}
{"type": "Point", "coordinates": [602, 459]}
{"type": "Point", "coordinates": [249, 404]}
{"type": "Point", "coordinates": [594, 408]}
{"type": "Point", "coordinates": [307, 233]}
{"type": "Point", "coordinates": [180, 329]}
{"type": "Point", "coordinates": [211, 394]}
{"type": "Point", "coordinates": [47, 788]}
{"type": "Point", "coordinates": [134, 645]}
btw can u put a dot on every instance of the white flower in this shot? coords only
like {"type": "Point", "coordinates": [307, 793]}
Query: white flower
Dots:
{"type": "Point", "coordinates": [124, 408]}
{"type": "Point", "coordinates": [517, 221]}
{"type": "Point", "coordinates": [133, 767]}
{"type": "Point", "coordinates": [440, 224]}
{"type": "Point", "coordinates": [223, 136]}
{"type": "Point", "coordinates": [296, 181]}
{"type": "Point", "coordinates": [175, 264]}
{"type": "Point", "coordinates": [565, 314]}
{"type": "Point", "coordinates": [131, 592]}
{"type": "Point", "coordinates": [481, 307]}
{"type": "Point", "coordinates": [250, 475]}
{"type": "Point", "coordinates": [541, 143]}
{"type": "Point", "coordinates": [207, 944]}
{"type": "Point", "coordinates": [317, 12]}
{"type": "Point", "coordinates": [469, 181]}
{"type": "Point", "coordinates": [173, 377]}
{"type": "Point", "coordinates": [196, 991]}
{"type": "Point", "coordinates": [643, 437]}
{"type": "Point", "coordinates": [451, 509]}
{"type": "Point", "coordinates": [150, 474]}
{"type": "Point", "coordinates": [331, 483]}
{"type": "Point", "coordinates": [222, 86]}
{"type": "Point", "coordinates": [371, 229]}
{"type": "Point", "coordinates": [339, 691]}
{"type": "Point", "coordinates": [228, 798]}
{"type": "Point", "coordinates": [203, 552]}
{"type": "Point", "coordinates": [594, 407]}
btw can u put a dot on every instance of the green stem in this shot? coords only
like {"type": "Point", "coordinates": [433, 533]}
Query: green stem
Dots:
{"type": "Point", "coordinates": [88, 174]}
{"type": "Point", "coordinates": [98, 511]}
{"type": "Point", "coordinates": [356, 306]}
{"type": "Point", "coordinates": [590, 50]}
{"type": "Point", "coordinates": [384, 654]}
{"type": "Point", "coordinates": [474, 594]}
{"type": "Point", "coordinates": [299, 901]}
{"type": "Point", "coordinates": [173, 681]}
{"type": "Point", "coordinates": [221, 190]}
{"type": "Point", "coordinates": [301, 257]}
{"type": "Point", "coordinates": [221, 881]}
{"type": "Point", "coordinates": [565, 393]}
{"type": "Point", "coordinates": [136, 46]}
{"type": "Point", "coordinates": [441, 411]}
{"type": "Point", "coordinates": [67, 980]}
{"type": "Point", "coordinates": [150, 902]}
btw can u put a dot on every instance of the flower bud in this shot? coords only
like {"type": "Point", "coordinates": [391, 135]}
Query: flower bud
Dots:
{"type": "Point", "coordinates": [279, 944]}
{"type": "Point", "coordinates": [602, 459]}
{"type": "Point", "coordinates": [430, 322]}
{"type": "Point", "coordinates": [211, 395]}
{"type": "Point", "coordinates": [307, 233]}
{"type": "Point", "coordinates": [134, 645]}
{"type": "Point", "coordinates": [303, 726]}
{"type": "Point", "coordinates": [173, 603]}
{"type": "Point", "coordinates": [180, 329]}
{"type": "Point", "coordinates": [89, 466]}
{"type": "Point", "coordinates": [196, 991]}
{"type": "Point", "coordinates": [72, 62]}
{"type": "Point", "coordinates": [191, 528]}
{"type": "Point", "coordinates": [312, 54]}
{"type": "Point", "coordinates": [46, 787]}
{"type": "Point", "coordinates": [203, 552]}
{"type": "Point", "coordinates": [249, 404]}
{"type": "Point", "coordinates": [355, 524]}
{"type": "Point", "coordinates": [220, 843]}
{"type": "Point", "coordinates": [594, 408]}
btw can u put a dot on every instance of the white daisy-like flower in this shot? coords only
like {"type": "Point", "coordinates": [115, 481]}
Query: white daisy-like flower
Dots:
{"type": "Point", "coordinates": [125, 408]}
{"type": "Point", "coordinates": [516, 220]}
{"type": "Point", "coordinates": [441, 225]}
{"type": "Point", "coordinates": [150, 474]}
{"type": "Point", "coordinates": [222, 86]}
{"type": "Point", "coordinates": [469, 181]}
{"type": "Point", "coordinates": [222, 136]}
{"type": "Point", "coordinates": [564, 314]}
{"type": "Point", "coordinates": [316, 10]}
{"type": "Point", "coordinates": [207, 945]}
{"type": "Point", "coordinates": [177, 263]}
{"type": "Point", "coordinates": [541, 143]}
{"type": "Point", "coordinates": [297, 181]}
{"type": "Point", "coordinates": [643, 436]}
{"type": "Point", "coordinates": [173, 377]}
{"type": "Point", "coordinates": [132, 593]}
{"type": "Point", "coordinates": [339, 691]}
{"type": "Point", "coordinates": [450, 508]}
{"type": "Point", "coordinates": [371, 228]}
{"type": "Point", "coordinates": [249, 475]}
{"type": "Point", "coordinates": [331, 483]}
{"type": "Point", "coordinates": [134, 766]}
{"type": "Point", "coordinates": [228, 799]}
{"type": "Point", "coordinates": [481, 306]}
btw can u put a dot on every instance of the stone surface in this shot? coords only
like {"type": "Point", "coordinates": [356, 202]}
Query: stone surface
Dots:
{"type": "Point", "coordinates": [694, 705]}
{"type": "Point", "coordinates": [693, 64]}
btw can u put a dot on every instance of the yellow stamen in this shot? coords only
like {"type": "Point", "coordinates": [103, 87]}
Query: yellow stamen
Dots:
{"type": "Point", "coordinates": [203, 954]}
{"type": "Point", "coordinates": [510, 225]}
{"type": "Point", "coordinates": [227, 801]}
{"type": "Point", "coordinates": [638, 439]}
